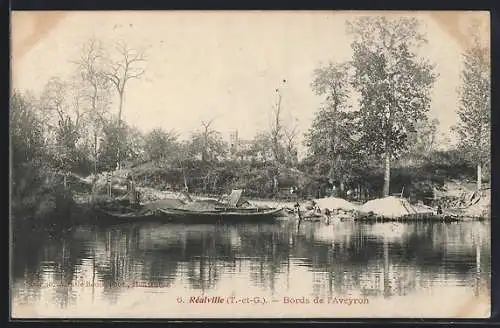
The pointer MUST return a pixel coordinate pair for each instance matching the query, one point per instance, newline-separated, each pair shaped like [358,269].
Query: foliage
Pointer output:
[449,164]
[135,146]
[34,190]
[475,108]
[159,144]
[423,139]
[26,130]
[108,150]
[208,144]
[261,147]
[27,147]
[394,83]
[333,140]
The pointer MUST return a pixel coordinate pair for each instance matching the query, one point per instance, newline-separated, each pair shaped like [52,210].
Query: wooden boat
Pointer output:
[221,214]
[115,216]
[201,211]
[232,209]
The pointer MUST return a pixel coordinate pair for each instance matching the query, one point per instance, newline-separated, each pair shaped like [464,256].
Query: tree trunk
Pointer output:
[387,173]
[275,184]
[120,108]
[95,153]
[479,176]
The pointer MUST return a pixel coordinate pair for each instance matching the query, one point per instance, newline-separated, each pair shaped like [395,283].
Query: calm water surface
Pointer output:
[155,270]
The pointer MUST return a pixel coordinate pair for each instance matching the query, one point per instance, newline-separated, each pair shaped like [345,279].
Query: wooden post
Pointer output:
[65,180]
[299,214]
[109,185]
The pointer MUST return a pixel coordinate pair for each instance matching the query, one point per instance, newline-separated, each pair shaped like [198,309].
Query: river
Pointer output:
[345,269]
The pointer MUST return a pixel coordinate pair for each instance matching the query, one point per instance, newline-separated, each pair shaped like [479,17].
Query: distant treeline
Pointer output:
[414,180]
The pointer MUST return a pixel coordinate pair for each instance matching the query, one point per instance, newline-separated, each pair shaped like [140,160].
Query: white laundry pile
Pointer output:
[334,203]
[393,207]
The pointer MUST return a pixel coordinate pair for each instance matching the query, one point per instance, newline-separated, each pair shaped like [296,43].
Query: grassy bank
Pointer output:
[50,200]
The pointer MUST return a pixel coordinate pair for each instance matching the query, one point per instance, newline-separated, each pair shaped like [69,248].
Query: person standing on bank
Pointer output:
[327,216]
[133,194]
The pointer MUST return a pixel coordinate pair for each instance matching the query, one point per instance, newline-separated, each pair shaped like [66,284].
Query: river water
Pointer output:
[345,269]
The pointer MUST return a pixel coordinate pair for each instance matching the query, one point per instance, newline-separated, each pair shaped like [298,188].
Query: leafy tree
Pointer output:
[393,81]
[209,146]
[117,136]
[27,147]
[264,151]
[475,107]
[333,146]
[26,130]
[108,146]
[60,105]
[332,137]
[422,141]
[160,145]
[183,156]
[208,143]
[135,150]
[262,146]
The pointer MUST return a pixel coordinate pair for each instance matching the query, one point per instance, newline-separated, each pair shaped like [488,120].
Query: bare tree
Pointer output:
[206,133]
[94,89]
[277,129]
[276,136]
[290,133]
[127,66]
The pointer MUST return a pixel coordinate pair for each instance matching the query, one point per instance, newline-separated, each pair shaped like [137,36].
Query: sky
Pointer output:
[225,66]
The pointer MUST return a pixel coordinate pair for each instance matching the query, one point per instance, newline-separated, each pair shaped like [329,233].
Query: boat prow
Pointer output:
[112,216]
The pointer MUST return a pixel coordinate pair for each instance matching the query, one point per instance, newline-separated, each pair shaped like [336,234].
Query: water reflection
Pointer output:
[376,260]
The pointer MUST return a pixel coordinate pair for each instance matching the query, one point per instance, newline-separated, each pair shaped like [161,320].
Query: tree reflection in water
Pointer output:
[383,259]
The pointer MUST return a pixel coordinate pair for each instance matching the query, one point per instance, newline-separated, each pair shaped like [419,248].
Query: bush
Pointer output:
[41,198]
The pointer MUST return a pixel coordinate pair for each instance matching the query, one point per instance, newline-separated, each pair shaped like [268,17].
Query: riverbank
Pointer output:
[63,207]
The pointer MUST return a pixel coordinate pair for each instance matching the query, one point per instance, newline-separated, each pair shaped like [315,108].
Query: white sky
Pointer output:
[222,65]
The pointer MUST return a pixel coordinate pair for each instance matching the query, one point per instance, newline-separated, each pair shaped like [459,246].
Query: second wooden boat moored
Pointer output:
[221,214]
[115,217]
